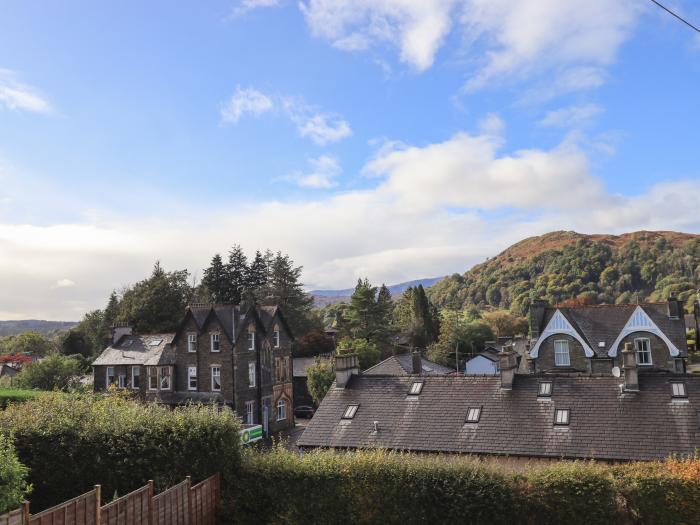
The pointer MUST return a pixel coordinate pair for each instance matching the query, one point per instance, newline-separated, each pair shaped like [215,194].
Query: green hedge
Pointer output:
[13,477]
[16,395]
[368,487]
[71,442]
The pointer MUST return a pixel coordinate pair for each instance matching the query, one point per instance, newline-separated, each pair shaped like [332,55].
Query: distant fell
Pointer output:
[33,325]
[566,265]
[324,297]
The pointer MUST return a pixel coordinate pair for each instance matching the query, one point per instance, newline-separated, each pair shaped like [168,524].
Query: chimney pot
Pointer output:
[417,362]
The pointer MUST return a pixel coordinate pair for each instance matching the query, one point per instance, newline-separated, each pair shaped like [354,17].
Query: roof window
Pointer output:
[473,414]
[155,342]
[678,390]
[416,388]
[350,411]
[562,416]
[545,389]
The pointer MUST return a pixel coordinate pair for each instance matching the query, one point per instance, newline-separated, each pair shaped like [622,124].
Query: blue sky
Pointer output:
[397,139]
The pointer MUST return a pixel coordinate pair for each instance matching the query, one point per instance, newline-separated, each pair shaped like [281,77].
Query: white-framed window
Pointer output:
[192,342]
[281,410]
[276,339]
[152,378]
[545,389]
[251,340]
[250,412]
[122,381]
[214,342]
[164,377]
[416,388]
[642,347]
[473,414]
[136,377]
[678,390]
[191,378]
[561,353]
[110,375]
[350,411]
[216,379]
[251,374]
[561,416]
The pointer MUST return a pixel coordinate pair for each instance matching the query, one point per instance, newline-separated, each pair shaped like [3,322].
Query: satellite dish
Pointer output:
[616,371]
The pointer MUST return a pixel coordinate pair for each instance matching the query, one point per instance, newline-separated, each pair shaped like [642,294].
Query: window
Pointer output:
[214,343]
[191,378]
[416,388]
[545,389]
[678,390]
[165,378]
[216,379]
[473,414]
[192,343]
[281,410]
[122,381]
[281,367]
[251,374]
[110,375]
[136,377]
[152,378]
[642,347]
[561,353]
[350,411]
[251,340]
[276,338]
[561,416]
[249,412]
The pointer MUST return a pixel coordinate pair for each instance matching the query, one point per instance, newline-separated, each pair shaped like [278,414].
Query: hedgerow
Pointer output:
[72,442]
[16,395]
[13,477]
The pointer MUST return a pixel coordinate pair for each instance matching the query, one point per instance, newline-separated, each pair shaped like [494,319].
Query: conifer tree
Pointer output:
[216,280]
[237,271]
[257,272]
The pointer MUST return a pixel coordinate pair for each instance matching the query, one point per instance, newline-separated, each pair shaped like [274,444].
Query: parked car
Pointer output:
[304,411]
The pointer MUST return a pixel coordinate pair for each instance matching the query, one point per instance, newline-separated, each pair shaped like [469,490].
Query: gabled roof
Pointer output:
[144,349]
[644,426]
[402,364]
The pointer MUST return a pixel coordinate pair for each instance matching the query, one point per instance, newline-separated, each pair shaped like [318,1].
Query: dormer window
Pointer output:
[561,416]
[678,390]
[416,388]
[473,414]
[561,353]
[545,389]
[276,339]
[251,340]
[214,343]
[192,343]
[642,347]
[350,411]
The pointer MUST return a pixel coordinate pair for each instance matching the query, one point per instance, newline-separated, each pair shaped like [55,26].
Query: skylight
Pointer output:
[350,411]
[473,414]
[416,388]
[155,342]
[545,389]
[561,416]
[678,390]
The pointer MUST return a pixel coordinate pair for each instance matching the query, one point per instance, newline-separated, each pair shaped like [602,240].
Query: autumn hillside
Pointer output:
[593,268]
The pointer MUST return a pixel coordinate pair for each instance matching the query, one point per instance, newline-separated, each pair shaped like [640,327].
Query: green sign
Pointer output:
[251,433]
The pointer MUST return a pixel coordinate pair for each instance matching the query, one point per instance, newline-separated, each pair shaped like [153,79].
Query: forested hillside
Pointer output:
[595,269]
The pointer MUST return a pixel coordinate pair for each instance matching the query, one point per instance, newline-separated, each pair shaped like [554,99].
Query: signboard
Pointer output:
[251,433]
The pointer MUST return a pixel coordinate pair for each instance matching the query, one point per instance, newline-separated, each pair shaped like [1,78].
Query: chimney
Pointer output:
[536,317]
[417,362]
[629,369]
[346,366]
[507,364]
[119,330]
[675,307]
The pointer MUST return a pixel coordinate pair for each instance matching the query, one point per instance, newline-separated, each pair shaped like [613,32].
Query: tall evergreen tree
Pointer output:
[285,289]
[216,279]
[257,275]
[237,271]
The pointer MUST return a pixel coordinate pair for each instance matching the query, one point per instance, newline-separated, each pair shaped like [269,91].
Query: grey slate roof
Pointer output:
[604,424]
[225,314]
[139,350]
[402,364]
[603,323]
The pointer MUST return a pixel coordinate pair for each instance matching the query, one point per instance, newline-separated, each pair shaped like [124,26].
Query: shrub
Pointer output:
[320,377]
[13,477]
[56,372]
[15,395]
[71,442]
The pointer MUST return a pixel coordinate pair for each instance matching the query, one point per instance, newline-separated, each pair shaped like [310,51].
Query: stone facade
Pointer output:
[661,358]
[579,362]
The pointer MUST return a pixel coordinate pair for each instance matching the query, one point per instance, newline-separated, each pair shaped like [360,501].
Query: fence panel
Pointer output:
[77,511]
[132,509]
[204,499]
[170,507]
[15,517]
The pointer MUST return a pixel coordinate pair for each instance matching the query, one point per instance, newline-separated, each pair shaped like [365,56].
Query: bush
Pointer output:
[72,442]
[14,395]
[319,378]
[56,372]
[13,477]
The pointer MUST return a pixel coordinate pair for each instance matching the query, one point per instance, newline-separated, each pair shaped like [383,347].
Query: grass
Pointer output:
[16,395]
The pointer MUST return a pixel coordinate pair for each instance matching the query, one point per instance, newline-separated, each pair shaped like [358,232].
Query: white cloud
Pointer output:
[322,128]
[247,101]
[64,283]
[325,169]
[572,116]
[245,6]
[15,95]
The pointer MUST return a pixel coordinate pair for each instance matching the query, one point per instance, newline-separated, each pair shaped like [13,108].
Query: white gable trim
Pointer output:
[559,324]
[640,321]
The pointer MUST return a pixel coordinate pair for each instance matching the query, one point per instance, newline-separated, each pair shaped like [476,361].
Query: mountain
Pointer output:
[564,265]
[324,297]
[33,325]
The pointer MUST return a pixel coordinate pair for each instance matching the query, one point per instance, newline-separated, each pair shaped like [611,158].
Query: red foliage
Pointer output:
[16,358]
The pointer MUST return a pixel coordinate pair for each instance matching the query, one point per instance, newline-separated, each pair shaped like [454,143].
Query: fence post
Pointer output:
[98,504]
[190,511]
[150,502]
[25,512]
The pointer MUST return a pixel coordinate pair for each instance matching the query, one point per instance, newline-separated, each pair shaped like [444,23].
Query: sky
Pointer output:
[395,140]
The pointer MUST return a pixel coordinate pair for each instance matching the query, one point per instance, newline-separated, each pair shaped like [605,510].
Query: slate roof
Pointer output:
[604,423]
[145,349]
[402,364]
[603,323]
[226,313]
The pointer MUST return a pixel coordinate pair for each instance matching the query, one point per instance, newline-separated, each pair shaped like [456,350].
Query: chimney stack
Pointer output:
[536,317]
[119,330]
[417,362]
[675,307]
[507,364]
[346,366]
[629,369]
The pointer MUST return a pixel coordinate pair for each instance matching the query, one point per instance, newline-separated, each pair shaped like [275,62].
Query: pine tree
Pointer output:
[257,275]
[285,289]
[237,270]
[216,280]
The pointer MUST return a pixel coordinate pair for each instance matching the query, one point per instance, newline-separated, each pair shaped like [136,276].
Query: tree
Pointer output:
[319,378]
[13,477]
[312,344]
[416,317]
[257,275]
[505,324]
[458,332]
[216,280]
[56,372]
[369,315]
[74,342]
[367,352]
[29,342]
[237,271]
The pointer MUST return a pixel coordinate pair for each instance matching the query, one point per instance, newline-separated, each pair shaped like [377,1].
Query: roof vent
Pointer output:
[375,425]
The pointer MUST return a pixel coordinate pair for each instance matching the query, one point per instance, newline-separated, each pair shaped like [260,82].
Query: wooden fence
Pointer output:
[182,504]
